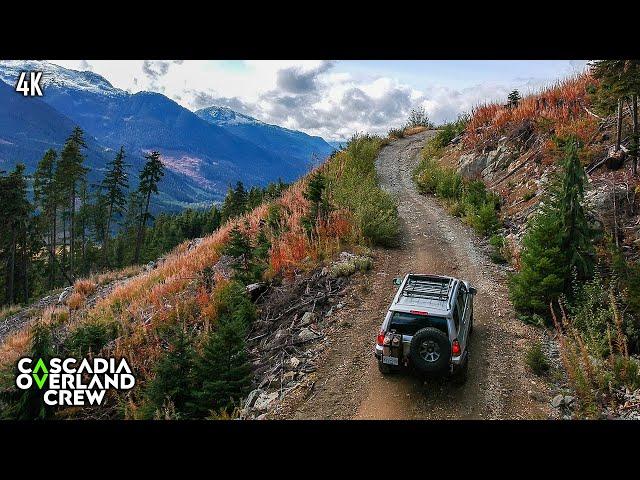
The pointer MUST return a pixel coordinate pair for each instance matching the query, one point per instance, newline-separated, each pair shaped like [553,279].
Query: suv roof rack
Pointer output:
[428,287]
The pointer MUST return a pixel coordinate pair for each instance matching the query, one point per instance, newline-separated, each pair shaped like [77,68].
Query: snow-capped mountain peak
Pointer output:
[53,74]
[225,116]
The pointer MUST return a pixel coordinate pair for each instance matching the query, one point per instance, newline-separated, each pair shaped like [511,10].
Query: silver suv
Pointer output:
[427,326]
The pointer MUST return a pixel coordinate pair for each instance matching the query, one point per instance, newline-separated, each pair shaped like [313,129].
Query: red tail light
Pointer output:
[380,339]
[418,312]
[455,348]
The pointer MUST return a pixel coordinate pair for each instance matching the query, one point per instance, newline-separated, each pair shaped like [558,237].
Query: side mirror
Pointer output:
[473,290]
[397,281]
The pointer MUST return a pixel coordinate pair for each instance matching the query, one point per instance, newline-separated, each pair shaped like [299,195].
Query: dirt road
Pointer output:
[348,384]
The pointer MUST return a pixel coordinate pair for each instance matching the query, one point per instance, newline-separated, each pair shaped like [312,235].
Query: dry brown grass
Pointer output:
[414,130]
[84,287]
[560,107]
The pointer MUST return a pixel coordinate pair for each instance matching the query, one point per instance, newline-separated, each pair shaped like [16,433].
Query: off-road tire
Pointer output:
[430,342]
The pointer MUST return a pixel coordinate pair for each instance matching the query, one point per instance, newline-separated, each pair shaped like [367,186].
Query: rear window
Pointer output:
[409,323]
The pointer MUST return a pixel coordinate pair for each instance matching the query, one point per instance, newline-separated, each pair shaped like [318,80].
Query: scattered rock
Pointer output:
[150,266]
[306,335]
[288,377]
[292,363]
[194,243]
[557,401]
[280,338]
[64,294]
[252,397]
[308,318]
[255,289]
[264,401]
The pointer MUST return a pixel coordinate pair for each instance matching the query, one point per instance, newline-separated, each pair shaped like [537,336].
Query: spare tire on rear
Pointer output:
[430,350]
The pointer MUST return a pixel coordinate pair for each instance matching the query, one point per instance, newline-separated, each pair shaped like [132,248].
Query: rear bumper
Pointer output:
[455,362]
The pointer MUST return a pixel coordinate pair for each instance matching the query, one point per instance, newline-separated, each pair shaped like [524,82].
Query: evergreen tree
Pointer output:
[69,173]
[557,243]
[150,176]
[239,247]
[419,118]
[47,198]
[15,219]
[223,372]
[514,99]
[173,381]
[319,207]
[235,202]
[576,232]
[115,186]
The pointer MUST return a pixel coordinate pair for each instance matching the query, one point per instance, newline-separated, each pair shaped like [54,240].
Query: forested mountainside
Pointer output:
[202,157]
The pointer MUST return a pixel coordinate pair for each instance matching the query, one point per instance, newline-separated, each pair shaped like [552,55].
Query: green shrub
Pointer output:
[449,184]
[497,247]
[484,218]
[172,387]
[536,359]
[90,337]
[396,133]
[355,187]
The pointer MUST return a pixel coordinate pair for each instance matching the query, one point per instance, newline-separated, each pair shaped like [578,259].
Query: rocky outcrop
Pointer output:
[486,165]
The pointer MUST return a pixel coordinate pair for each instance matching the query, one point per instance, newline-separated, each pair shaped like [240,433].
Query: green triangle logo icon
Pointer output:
[40,379]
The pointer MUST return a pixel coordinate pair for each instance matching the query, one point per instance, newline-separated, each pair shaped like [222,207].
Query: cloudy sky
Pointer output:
[332,99]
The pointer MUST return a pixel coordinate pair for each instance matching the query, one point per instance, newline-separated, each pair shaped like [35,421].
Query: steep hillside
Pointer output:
[542,180]
[515,152]
[282,255]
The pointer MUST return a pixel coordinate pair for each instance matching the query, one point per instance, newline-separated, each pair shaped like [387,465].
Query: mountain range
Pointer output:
[204,151]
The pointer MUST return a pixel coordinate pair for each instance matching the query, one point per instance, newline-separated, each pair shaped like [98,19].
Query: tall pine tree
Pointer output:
[114,186]
[69,174]
[150,176]
[47,197]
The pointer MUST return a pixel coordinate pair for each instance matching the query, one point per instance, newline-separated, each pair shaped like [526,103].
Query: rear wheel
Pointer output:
[471,325]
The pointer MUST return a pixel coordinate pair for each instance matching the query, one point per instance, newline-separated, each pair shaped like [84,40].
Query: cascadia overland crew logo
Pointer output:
[73,382]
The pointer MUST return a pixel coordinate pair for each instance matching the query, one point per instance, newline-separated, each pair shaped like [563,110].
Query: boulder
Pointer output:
[308,318]
[255,289]
[557,401]
[306,335]
[252,397]
[64,294]
[265,401]
[472,164]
